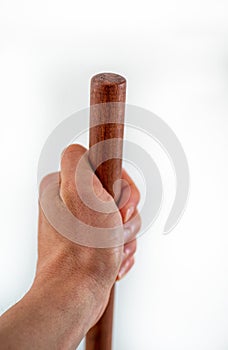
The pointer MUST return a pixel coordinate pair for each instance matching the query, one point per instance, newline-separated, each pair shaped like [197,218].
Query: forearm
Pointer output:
[54,314]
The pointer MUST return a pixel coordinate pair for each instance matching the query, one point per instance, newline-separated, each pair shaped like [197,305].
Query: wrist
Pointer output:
[80,299]
[55,313]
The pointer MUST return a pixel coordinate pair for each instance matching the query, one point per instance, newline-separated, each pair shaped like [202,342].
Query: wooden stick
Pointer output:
[106,87]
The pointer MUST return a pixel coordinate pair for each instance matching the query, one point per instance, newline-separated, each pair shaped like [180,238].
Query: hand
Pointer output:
[100,267]
[73,282]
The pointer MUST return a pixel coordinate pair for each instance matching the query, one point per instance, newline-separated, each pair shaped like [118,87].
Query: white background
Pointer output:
[175,57]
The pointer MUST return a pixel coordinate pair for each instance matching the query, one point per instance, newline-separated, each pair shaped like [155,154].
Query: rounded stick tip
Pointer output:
[107,87]
[108,79]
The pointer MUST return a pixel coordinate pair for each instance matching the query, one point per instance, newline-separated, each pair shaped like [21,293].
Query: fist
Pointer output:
[81,192]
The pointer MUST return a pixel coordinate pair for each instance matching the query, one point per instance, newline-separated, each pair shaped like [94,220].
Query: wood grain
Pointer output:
[106,122]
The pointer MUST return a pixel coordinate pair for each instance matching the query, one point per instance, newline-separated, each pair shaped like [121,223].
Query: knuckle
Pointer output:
[73,150]
[134,246]
[137,194]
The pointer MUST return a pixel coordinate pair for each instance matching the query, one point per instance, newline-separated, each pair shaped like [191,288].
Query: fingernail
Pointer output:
[126,252]
[129,213]
[127,234]
[123,270]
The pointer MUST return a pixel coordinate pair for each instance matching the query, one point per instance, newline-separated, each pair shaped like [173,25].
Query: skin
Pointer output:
[72,284]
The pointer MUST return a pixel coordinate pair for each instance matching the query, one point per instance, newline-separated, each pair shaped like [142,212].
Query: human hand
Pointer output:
[73,282]
[100,266]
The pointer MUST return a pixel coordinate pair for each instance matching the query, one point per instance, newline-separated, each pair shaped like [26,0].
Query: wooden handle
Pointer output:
[106,122]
